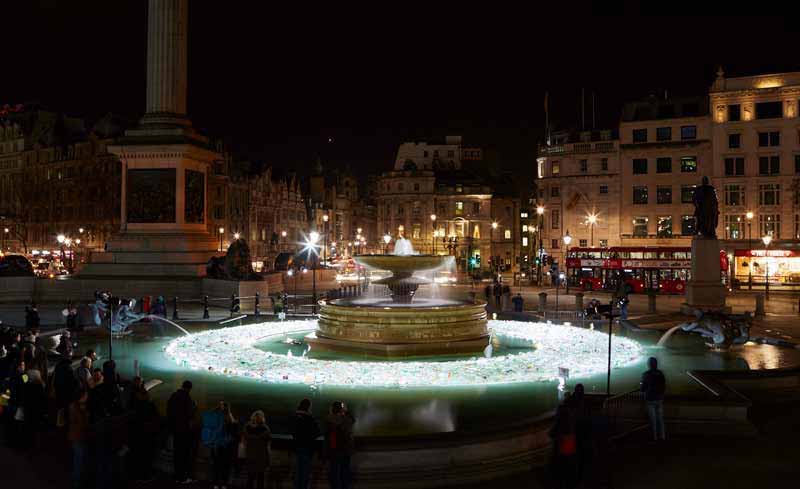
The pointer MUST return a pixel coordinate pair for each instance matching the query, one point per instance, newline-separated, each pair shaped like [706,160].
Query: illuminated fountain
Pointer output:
[401,327]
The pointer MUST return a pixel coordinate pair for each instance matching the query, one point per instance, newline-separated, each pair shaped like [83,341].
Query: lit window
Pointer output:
[524,241]
[604,243]
[459,208]
[523,214]
[734,226]
[640,194]
[416,231]
[689,164]
[556,168]
[524,228]
[770,225]
[687,225]
[640,226]
[507,234]
[664,227]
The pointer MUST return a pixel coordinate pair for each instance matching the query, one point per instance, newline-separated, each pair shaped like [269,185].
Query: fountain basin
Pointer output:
[355,326]
[398,264]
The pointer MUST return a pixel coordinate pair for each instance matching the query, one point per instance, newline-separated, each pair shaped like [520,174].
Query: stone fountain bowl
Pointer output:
[404,264]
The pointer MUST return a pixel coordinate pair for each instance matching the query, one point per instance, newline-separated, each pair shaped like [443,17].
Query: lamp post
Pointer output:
[749,217]
[540,227]
[5,234]
[567,240]
[434,232]
[767,240]
[283,241]
[325,218]
[495,268]
[221,231]
[313,239]
[591,219]
[386,239]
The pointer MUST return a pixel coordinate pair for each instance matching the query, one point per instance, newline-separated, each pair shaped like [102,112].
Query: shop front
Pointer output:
[754,268]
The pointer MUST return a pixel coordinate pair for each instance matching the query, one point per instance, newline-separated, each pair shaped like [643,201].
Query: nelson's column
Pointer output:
[165,166]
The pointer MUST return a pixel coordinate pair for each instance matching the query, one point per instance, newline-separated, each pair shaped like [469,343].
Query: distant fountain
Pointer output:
[403,247]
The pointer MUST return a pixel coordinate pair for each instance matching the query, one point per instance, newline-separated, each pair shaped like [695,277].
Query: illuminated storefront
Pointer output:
[781,266]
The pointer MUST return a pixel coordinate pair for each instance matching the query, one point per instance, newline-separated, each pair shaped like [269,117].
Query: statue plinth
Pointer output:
[705,291]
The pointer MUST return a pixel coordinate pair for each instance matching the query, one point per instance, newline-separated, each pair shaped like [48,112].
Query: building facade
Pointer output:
[57,177]
[580,193]
[434,199]
[665,150]
[756,141]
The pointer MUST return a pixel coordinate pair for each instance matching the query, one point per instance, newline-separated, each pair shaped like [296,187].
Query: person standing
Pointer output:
[339,440]
[498,293]
[518,302]
[564,447]
[64,347]
[145,425]
[257,437]
[654,385]
[305,432]
[78,435]
[215,434]
[180,413]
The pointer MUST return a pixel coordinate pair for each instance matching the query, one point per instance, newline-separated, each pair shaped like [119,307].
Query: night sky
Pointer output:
[278,84]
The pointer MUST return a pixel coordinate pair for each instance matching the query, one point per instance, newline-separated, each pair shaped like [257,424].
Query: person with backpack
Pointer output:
[180,414]
[339,441]
[305,432]
[215,435]
[654,385]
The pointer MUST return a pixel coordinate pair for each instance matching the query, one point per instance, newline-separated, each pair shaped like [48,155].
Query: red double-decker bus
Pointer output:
[666,269]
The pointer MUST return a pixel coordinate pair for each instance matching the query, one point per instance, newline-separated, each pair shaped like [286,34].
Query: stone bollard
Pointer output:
[542,302]
[651,303]
[760,305]
[579,301]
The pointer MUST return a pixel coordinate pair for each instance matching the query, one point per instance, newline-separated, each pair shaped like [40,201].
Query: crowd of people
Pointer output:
[115,430]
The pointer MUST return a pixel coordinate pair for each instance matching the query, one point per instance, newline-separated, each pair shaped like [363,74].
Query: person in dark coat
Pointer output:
[339,440]
[580,410]
[180,415]
[145,426]
[305,432]
[34,403]
[518,301]
[257,437]
[78,436]
[498,293]
[654,385]
[64,383]
[564,447]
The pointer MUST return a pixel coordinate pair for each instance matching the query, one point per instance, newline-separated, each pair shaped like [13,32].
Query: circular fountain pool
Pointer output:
[531,352]
[440,402]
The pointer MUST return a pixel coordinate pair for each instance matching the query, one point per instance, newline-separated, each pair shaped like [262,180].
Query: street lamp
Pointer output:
[236,236]
[221,231]
[491,247]
[5,237]
[749,217]
[767,240]
[591,219]
[311,246]
[434,233]
[283,241]
[567,240]
[558,285]
[540,227]
[325,218]
[386,239]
